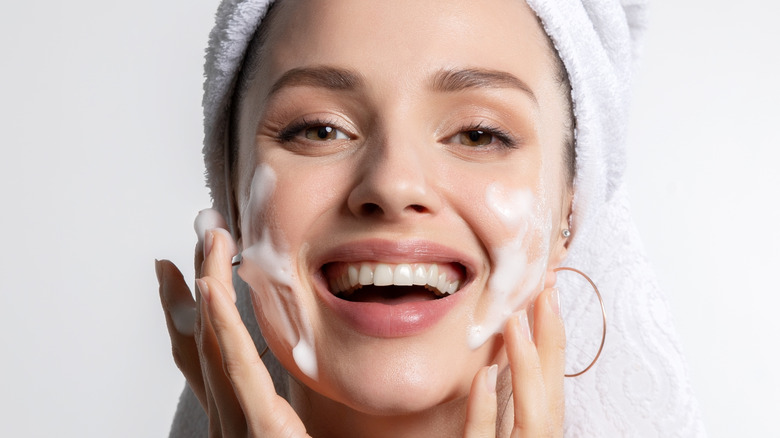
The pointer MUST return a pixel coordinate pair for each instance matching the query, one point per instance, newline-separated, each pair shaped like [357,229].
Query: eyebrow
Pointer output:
[450,81]
[324,77]
[446,81]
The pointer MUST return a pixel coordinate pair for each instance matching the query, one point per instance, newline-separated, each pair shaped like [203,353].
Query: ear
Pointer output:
[559,247]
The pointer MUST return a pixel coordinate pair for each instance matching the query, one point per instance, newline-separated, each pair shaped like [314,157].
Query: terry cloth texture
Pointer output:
[640,385]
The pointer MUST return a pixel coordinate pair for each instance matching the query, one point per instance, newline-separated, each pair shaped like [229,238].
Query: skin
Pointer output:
[401,171]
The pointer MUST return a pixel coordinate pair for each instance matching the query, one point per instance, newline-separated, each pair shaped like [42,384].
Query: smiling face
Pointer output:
[401,187]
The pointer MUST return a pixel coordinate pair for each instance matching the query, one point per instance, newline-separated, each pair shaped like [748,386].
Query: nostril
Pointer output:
[371,209]
[418,208]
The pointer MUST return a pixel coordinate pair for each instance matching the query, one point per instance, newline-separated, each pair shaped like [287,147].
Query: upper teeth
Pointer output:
[382,274]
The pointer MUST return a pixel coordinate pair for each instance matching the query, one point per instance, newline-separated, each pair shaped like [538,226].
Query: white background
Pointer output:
[101,173]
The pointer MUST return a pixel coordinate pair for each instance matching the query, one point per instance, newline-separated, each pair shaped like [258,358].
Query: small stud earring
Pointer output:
[566,233]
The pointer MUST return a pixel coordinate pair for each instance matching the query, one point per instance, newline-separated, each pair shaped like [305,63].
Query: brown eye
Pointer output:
[475,138]
[324,133]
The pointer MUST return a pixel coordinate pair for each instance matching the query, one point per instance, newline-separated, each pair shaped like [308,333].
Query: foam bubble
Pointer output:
[268,269]
[514,278]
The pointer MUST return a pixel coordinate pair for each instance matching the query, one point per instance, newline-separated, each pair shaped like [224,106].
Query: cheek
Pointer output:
[305,200]
[518,248]
[268,269]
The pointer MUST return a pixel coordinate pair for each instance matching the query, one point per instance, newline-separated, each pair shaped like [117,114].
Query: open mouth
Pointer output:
[393,283]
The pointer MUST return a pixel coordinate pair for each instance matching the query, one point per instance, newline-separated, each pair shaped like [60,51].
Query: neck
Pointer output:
[325,418]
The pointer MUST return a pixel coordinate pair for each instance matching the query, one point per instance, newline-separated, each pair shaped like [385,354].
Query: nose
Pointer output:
[393,183]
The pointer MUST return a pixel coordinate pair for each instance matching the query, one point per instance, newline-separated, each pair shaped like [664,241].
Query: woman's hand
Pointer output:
[215,352]
[536,364]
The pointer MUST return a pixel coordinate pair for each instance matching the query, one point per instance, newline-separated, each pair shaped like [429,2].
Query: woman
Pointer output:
[400,180]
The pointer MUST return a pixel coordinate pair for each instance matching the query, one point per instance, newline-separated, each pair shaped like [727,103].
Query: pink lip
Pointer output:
[396,320]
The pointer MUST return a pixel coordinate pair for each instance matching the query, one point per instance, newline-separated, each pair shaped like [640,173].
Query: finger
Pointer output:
[528,391]
[225,415]
[179,309]
[219,250]
[207,219]
[267,414]
[550,338]
[481,409]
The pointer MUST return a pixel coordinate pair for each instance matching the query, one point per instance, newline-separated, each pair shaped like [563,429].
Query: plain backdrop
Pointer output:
[101,173]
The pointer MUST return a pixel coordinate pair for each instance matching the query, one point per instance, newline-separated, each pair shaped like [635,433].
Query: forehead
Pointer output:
[400,42]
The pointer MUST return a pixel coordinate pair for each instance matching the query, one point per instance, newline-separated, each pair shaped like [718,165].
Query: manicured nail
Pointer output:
[525,328]
[555,301]
[491,378]
[203,287]
[158,271]
[208,243]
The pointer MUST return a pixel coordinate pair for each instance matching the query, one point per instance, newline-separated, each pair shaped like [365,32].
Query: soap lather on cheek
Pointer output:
[514,277]
[267,268]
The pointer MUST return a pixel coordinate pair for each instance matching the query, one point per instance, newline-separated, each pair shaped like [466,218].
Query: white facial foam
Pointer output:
[268,269]
[514,278]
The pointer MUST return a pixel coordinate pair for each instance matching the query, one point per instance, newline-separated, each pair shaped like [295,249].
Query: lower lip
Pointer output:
[390,320]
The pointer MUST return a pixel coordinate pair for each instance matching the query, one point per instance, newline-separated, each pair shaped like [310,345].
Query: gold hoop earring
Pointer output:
[603,318]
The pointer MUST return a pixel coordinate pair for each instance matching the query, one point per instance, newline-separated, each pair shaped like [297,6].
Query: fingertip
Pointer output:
[550,279]
[227,244]
[547,311]
[491,379]
[208,243]
[208,219]
[219,261]
[230,244]
[203,287]
[522,325]
[482,404]
[158,271]
[554,300]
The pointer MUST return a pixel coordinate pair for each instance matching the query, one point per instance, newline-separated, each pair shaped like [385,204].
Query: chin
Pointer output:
[388,391]
[401,376]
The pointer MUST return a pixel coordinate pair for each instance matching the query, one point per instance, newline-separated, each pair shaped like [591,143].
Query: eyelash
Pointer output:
[505,139]
[289,132]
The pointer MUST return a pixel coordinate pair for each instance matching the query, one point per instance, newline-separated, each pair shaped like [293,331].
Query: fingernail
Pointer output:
[555,301]
[491,378]
[525,328]
[207,244]
[227,239]
[203,287]
[158,271]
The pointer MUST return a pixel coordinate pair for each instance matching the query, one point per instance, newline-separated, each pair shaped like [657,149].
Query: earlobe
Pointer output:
[561,249]
[566,230]
[560,246]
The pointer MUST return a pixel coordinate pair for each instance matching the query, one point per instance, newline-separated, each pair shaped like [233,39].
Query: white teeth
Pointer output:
[433,276]
[353,275]
[366,275]
[442,284]
[404,274]
[383,275]
[420,277]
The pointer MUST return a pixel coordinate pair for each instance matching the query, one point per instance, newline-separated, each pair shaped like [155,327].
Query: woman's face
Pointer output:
[381,141]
